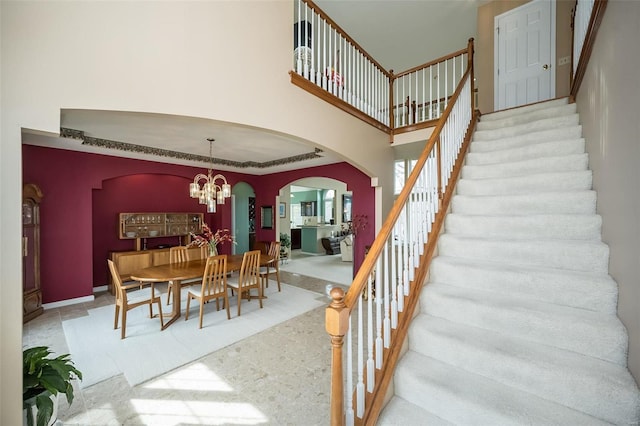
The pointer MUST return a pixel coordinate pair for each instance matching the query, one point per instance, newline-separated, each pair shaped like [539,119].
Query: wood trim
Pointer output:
[434,62]
[594,24]
[417,126]
[343,33]
[318,91]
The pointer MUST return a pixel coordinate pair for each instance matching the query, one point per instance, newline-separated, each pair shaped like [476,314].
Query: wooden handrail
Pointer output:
[314,89]
[434,62]
[594,24]
[343,33]
[339,311]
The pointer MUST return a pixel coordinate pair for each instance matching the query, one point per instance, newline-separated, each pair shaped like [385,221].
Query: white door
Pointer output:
[525,54]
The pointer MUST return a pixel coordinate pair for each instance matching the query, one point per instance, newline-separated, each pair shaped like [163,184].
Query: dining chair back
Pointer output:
[214,286]
[179,254]
[126,301]
[249,277]
[273,265]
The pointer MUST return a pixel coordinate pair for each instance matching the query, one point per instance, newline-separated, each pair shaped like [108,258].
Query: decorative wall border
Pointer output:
[129,147]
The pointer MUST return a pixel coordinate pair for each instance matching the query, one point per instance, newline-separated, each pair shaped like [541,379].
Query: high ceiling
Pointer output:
[399,34]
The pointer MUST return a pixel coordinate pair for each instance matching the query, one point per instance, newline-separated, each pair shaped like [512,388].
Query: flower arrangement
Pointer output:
[357,223]
[210,239]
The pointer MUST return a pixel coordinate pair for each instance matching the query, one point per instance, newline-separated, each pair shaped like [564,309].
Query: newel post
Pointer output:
[337,324]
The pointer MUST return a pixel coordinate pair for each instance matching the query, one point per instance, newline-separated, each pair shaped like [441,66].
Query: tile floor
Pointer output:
[277,377]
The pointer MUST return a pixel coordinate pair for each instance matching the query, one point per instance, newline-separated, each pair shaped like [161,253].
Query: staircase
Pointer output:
[517,323]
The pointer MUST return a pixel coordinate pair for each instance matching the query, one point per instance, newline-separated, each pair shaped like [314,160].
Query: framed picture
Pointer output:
[283,210]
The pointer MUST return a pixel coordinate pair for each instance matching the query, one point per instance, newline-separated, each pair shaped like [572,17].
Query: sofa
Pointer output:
[346,248]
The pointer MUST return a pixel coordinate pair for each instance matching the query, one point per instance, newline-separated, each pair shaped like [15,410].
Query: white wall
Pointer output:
[225,60]
[608,102]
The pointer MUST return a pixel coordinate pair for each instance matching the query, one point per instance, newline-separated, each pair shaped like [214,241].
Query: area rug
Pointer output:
[326,267]
[146,352]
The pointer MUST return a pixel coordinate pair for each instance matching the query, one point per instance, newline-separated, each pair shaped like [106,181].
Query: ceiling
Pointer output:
[399,34]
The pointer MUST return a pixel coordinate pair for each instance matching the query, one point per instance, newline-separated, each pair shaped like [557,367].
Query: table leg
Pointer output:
[176,311]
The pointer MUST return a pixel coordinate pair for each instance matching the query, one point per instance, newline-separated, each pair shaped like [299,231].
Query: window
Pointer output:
[401,171]
[329,202]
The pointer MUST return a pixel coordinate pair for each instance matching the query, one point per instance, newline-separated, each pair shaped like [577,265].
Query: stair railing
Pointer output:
[328,63]
[585,21]
[369,323]
[422,93]
[327,56]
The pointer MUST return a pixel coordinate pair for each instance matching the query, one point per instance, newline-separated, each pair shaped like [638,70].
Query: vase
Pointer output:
[213,250]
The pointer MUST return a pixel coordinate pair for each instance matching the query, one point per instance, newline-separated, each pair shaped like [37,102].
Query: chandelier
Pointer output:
[210,193]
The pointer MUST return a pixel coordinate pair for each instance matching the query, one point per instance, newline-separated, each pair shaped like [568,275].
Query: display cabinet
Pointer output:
[137,226]
[31,293]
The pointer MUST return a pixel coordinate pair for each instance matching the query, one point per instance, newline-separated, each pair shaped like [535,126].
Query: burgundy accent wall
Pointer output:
[83,194]
[363,200]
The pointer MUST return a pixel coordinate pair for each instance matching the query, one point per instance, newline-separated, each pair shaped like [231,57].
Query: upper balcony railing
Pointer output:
[326,56]
[329,63]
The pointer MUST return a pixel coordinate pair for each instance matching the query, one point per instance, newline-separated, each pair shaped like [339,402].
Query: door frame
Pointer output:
[552,48]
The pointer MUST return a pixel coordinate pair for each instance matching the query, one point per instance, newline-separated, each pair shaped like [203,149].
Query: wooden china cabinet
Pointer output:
[31,294]
[140,227]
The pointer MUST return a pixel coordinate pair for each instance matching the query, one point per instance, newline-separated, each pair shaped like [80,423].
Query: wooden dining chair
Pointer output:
[181,254]
[126,301]
[274,253]
[248,278]
[214,286]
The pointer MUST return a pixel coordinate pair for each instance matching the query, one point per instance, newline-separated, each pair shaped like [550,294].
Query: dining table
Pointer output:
[175,273]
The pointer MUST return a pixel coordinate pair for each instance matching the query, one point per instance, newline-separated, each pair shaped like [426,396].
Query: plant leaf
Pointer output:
[45,409]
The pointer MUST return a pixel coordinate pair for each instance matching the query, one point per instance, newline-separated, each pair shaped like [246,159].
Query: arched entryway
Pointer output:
[243,216]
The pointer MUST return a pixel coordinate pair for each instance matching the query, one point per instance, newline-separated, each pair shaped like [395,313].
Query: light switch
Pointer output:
[564,60]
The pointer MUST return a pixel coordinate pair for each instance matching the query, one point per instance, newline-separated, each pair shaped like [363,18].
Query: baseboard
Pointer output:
[68,302]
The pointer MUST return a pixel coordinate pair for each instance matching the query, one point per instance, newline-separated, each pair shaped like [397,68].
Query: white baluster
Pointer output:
[379,291]
[360,349]
[394,280]
[387,307]
[370,360]
[349,420]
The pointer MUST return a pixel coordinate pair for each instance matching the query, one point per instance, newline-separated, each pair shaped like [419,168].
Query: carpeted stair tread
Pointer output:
[542,182]
[513,120]
[469,399]
[554,227]
[573,255]
[540,151]
[400,412]
[517,323]
[557,375]
[532,138]
[584,290]
[574,202]
[533,126]
[523,110]
[565,163]
[586,332]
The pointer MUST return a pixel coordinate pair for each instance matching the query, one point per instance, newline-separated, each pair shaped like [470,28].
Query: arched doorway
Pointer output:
[243,217]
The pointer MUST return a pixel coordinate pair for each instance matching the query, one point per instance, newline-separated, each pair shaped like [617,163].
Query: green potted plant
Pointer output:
[43,377]
[285,245]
